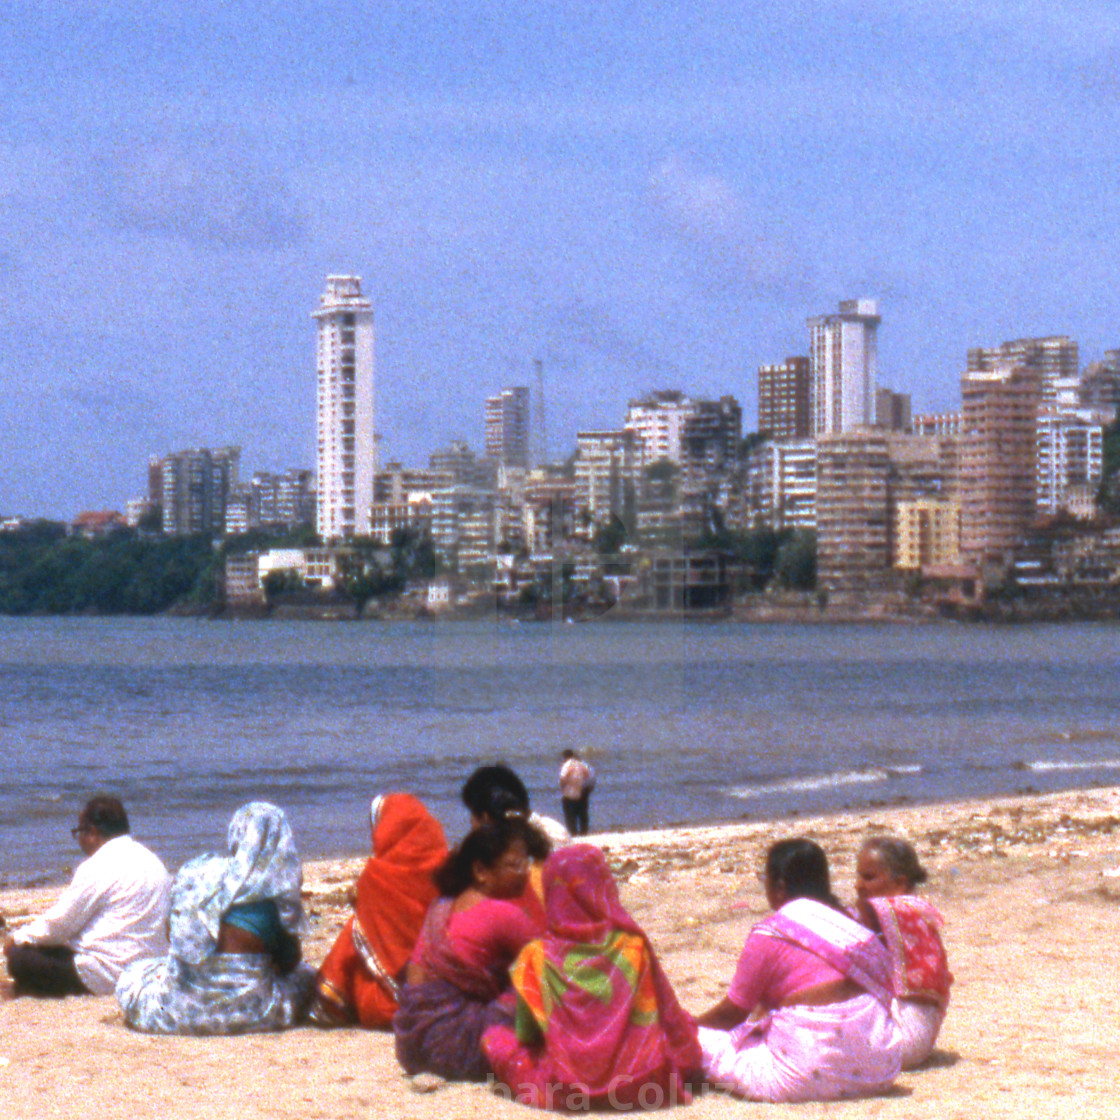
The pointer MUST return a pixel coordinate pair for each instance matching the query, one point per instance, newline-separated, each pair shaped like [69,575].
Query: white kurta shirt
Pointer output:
[574,776]
[113,912]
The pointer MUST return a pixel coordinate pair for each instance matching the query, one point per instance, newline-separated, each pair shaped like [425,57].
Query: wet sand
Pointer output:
[1030,889]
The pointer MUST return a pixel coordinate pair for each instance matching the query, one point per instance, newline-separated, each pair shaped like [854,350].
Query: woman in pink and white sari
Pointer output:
[820,984]
[887,873]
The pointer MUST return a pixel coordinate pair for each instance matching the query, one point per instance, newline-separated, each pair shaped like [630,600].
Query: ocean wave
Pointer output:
[1086,735]
[1046,765]
[811,783]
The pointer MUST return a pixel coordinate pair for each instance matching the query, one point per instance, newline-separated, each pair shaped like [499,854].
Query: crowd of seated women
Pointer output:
[506,961]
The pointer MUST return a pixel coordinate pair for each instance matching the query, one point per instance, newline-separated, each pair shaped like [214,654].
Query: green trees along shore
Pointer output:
[47,569]
[43,570]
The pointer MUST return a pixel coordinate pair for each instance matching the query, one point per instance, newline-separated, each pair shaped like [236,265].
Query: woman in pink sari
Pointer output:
[820,983]
[597,1023]
[887,871]
[460,965]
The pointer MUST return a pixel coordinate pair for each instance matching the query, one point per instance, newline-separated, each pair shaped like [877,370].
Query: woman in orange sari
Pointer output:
[357,983]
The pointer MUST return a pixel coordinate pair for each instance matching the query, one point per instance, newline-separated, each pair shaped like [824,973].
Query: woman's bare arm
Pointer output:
[722,1016]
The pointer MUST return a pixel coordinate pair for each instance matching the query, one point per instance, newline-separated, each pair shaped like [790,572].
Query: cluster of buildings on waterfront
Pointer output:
[952,496]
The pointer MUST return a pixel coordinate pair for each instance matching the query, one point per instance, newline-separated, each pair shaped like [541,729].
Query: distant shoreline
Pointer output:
[794,608]
[1032,605]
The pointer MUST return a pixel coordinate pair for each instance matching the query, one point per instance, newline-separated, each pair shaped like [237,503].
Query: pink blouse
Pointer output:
[490,934]
[772,969]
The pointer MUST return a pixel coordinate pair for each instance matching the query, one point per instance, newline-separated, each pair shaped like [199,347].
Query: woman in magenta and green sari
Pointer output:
[597,1023]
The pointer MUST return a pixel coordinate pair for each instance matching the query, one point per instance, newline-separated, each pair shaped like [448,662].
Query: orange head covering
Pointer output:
[396,886]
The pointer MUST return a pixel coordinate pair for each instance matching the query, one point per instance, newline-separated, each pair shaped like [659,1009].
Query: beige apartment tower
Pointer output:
[347,453]
[864,478]
[1055,358]
[927,533]
[998,465]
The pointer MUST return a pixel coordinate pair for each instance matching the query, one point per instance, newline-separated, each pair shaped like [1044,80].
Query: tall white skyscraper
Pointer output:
[347,450]
[843,354]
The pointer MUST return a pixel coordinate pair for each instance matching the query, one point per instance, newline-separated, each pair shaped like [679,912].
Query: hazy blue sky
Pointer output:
[642,195]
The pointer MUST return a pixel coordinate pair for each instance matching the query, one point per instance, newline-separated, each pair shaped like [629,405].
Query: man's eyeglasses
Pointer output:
[76,832]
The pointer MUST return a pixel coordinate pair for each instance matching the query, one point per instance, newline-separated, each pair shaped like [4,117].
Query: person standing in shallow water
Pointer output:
[577,780]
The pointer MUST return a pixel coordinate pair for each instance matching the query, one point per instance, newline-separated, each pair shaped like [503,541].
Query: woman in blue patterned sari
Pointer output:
[235,922]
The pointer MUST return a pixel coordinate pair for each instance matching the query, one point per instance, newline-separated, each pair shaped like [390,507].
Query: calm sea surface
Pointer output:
[187,719]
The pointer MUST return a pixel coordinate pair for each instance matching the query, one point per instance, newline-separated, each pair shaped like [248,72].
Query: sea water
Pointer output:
[186,719]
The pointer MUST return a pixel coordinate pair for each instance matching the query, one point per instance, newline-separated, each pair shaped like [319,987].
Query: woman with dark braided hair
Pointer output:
[821,984]
[495,793]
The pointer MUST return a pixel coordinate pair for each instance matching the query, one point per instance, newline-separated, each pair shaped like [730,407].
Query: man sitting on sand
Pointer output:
[113,912]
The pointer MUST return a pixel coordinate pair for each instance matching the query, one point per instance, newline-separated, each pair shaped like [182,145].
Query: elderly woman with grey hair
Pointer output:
[887,873]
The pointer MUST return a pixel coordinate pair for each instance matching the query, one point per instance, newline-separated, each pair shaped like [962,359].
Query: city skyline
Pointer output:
[637,204]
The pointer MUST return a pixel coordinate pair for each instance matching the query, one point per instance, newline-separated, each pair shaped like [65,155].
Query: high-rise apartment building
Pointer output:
[781,490]
[843,356]
[1070,460]
[999,480]
[284,499]
[608,478]
[701,437]
[1054,358]
[863,479]
[711,437]
[785,399]
[462,523]
[279,501]
[853,519]
[347,445]
[508,426]
[195,487]
[657,422]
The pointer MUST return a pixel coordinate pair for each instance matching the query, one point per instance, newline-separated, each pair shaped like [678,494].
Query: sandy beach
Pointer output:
[1029,886]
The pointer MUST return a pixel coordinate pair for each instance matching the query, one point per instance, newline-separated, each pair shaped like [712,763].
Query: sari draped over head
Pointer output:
[359,979]
[596,1015]
[196,989]
[919,965]
[263,866]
